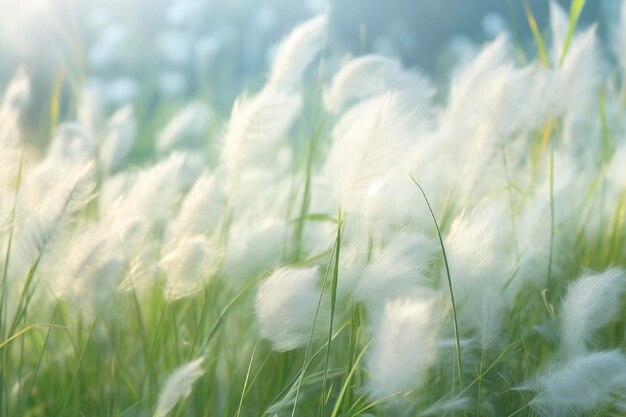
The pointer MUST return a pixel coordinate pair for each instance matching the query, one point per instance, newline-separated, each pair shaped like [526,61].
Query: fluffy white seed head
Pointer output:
[255,128]
[154,190]
[591,303]
[178,386]
[285,306]
[478,251]
[15,98]
[72,143]
[372,75]
[188,266]
[119,139]
[404,348]
[188,128]
[584,384]
[51,212]
[367,163]
[257,248]
[296,53]
[201,209]
[397,269]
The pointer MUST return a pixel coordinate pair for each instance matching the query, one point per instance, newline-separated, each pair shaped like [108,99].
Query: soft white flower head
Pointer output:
[119,139]
[367,163]
[178,386]
[395,270]
[285,306]
[189,127]
[404,348]
[372,75]
[187,266]
[296,52]
[591,303]
[582,385]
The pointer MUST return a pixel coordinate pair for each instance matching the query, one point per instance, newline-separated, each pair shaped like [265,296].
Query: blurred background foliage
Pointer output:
[159,54]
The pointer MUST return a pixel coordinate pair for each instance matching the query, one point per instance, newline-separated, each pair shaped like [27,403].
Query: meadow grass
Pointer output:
[365,243]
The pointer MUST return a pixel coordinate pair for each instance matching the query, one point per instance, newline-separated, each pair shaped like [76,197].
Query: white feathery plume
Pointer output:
[257,247]
[617,37]
[258,123]
[559,22]
[262,190]
[154,191]
[395,270]
[449,406]
[404,348]
[201,209]
[178,386]
[119,139]
[255,127]
[372,75]
[296,52]
[533,229]
[577,79]
[92,272]
[367,162]
[73,188]
[187,128]
[187,265]
[478,248]
[584,384]
[285,306]
[15,98]
[467,85]
[591,303]
[112,188]
[72,143]
[90,112]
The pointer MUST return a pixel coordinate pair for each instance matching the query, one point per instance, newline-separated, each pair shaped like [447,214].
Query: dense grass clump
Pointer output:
[363,244]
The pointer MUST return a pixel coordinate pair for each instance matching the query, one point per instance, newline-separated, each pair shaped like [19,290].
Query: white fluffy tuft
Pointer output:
[404,348]
[178,386]
[285,306]
[591,303]
[582,385]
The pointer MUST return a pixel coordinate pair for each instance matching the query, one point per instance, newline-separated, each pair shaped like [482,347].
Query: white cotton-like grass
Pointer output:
[201,210]
[398,269]
[178,386]
[15,97]
[477,246]
[72,143]
[559,21]
[95,267]
[404,348]
[296,52]
[255,127]
[373,75]
[72,190]
[366,157]
[153,190]
[581,385]
[591,302]
[119,140]
[188,265]
[579,75]
[152,240]
[188,128]
[618,37]
[257,250]
[285,306]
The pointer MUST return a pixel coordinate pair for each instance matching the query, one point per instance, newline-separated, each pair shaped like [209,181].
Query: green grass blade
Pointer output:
[574,14]
[541,47]
[457,337]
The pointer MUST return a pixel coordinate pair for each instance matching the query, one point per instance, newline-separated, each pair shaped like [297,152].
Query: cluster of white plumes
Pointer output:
[515,160]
